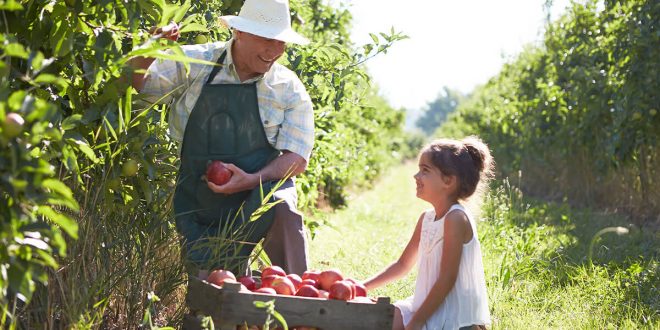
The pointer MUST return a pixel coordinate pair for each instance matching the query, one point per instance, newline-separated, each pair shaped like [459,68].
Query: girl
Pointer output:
[451,289]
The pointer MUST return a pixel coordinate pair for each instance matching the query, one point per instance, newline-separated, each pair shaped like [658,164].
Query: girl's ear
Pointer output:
[449,180]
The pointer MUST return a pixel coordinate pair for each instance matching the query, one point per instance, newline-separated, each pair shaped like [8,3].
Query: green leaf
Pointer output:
[71,122]
[15,100]
[59,187]
[47,78]
[193,27]
[78,141]
[156,52]
[16,50]
[67,224]
[181,12]
[47,259]
[374,38]
[20,280]
[10,5]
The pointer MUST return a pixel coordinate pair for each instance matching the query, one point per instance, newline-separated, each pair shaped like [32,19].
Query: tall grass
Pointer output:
[535,256]
[539,273]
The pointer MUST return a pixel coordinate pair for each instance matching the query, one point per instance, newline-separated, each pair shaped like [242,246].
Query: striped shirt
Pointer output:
[284,105]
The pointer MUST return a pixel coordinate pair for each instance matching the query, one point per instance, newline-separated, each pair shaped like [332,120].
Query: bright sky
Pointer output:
[454,43]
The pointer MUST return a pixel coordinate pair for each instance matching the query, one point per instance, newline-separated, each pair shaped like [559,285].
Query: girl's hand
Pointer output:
[239,181]
[414,325]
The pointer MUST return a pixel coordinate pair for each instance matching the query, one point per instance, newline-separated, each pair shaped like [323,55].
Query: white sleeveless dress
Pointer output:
[467,302]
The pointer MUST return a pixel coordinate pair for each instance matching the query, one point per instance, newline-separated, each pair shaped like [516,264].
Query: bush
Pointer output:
[86,130]
[578,117]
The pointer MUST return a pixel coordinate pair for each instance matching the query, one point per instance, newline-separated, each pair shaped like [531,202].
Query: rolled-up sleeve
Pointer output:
[164,80]
[297,131]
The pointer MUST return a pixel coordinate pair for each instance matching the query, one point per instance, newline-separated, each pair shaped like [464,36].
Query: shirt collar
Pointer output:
[229,63]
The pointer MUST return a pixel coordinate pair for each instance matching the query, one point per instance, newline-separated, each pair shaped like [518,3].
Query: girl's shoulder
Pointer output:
[428,215]
[459,210]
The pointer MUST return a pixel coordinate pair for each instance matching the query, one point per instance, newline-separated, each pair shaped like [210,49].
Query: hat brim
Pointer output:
[245,25]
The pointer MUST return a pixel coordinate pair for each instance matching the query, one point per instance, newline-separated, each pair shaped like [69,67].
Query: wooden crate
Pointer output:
[229,307]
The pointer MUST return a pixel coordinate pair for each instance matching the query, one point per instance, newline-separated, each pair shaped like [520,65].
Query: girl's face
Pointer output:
[432,185]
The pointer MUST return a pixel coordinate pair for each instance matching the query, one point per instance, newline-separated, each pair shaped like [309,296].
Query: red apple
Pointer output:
[283,286]
[219,276]
[272,270]
[13,125]
[218,173]
[248,281]
[308,291]
[324,294]
[310,282]
[243,288]
[352,285]
[265,290]
[360,289]
[329,277]
[295,279]
[311,274]
[267,282]
[340,290]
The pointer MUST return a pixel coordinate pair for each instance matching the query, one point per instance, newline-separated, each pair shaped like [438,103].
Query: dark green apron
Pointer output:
[224,125]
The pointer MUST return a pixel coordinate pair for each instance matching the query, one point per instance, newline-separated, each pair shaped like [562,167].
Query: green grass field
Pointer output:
[535,253]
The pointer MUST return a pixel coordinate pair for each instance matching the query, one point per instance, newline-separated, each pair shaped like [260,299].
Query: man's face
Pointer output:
[254,55]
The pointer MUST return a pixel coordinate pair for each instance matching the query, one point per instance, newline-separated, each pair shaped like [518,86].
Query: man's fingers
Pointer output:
[233,168]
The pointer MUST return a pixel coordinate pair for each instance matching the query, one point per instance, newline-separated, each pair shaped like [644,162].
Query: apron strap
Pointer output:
[217,68]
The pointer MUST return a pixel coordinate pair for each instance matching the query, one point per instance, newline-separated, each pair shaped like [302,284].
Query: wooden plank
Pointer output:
[228,306]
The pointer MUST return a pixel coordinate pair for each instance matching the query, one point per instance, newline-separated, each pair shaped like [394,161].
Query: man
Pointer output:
[254,115]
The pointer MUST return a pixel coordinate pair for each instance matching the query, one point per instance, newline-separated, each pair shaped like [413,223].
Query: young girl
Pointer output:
[451,289]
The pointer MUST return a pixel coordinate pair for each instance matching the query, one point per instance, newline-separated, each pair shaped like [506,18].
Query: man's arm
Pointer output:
[288,164]
[139,65]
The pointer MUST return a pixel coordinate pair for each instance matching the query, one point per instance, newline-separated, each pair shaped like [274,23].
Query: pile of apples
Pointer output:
[327,284]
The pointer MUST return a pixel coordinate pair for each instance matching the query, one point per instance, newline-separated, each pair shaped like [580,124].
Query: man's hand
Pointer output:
[138,64]
[170,31]
[239,181]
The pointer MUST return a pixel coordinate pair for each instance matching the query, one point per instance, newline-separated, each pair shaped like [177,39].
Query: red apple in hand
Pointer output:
[329,277]
[248,281]
[218,173]
[283,286]
[340,290]
[307,291]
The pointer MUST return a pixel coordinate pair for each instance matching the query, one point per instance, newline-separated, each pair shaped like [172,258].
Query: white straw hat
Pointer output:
[265,18]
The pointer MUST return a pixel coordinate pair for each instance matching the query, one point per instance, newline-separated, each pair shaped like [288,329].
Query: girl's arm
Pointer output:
[401,267]
[457,227]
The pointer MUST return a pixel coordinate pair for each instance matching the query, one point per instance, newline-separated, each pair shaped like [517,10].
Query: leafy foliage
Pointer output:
[93,161]
[436,111]
[579,116]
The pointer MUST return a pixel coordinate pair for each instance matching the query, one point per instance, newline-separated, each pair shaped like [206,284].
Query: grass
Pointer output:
[535,256]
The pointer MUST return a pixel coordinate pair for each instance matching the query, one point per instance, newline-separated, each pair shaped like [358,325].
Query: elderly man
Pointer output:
[252,114]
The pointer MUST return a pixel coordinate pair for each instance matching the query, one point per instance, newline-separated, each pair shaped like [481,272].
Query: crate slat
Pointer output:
[229,307]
